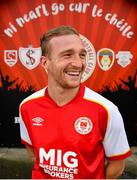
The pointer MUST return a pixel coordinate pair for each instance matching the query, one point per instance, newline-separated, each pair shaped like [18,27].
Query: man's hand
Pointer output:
[31,153]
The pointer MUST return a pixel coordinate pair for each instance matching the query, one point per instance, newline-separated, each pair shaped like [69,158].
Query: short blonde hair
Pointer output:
[59,31]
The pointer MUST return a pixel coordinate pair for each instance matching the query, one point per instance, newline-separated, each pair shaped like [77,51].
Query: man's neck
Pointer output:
[62,96]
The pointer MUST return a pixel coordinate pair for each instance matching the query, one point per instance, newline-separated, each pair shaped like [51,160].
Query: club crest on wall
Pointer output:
[10,57]
[30,57]
[90,58]
[105,58]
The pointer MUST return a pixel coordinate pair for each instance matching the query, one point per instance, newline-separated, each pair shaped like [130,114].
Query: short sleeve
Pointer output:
[115,142]
[24,132]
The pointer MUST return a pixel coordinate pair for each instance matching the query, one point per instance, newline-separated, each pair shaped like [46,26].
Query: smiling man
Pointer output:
[65,64]
[68,129]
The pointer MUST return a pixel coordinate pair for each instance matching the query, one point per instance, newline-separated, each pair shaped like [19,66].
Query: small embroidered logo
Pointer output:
[37,121]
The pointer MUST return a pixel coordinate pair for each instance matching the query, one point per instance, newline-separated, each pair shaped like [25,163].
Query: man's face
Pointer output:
[67,61]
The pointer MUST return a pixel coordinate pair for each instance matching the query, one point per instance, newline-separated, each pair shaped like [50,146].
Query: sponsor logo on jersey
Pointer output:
[83,125]
[37,121]
[59,164]
[124,58]
[105,58]
[10,57]
[90,58]
[30,57]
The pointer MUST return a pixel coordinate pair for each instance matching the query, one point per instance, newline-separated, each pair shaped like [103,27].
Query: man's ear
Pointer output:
[43,61]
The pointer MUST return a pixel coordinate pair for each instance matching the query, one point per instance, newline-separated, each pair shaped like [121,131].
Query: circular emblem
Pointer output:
[90,58]
[83,125]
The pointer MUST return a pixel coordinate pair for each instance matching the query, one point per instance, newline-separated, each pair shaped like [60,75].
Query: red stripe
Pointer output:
[120,157]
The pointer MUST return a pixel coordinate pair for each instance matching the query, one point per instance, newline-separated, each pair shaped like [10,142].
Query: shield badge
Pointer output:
[105,58]
[10,57]
[30,57]
[124,58]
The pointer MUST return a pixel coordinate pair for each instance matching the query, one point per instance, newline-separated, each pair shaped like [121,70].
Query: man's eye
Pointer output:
[67,55]
[83,56]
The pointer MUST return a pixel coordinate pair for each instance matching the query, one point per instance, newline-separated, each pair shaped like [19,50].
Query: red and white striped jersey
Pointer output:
[72,141]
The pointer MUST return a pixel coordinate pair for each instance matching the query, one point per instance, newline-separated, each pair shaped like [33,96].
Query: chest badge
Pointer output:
[83,125]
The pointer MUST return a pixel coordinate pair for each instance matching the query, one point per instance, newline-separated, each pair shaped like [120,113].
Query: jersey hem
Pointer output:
[25,143]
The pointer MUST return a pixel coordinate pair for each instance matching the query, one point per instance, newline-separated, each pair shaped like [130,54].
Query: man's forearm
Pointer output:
[114,169]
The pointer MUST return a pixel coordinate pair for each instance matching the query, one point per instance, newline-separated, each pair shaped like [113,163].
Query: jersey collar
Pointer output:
[79,95]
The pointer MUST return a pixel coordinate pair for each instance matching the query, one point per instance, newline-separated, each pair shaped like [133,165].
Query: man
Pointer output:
[69,130]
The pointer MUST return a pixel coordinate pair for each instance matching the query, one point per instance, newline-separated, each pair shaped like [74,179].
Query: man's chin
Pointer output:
[72,85]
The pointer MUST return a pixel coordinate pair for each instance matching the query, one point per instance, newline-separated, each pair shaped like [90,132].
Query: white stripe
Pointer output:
[37,94]
[23,132]
[115,141]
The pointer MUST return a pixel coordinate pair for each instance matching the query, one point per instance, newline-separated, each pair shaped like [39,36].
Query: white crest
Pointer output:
[83,125]
[90,58]
[10,57]
[124,58]
[30,57]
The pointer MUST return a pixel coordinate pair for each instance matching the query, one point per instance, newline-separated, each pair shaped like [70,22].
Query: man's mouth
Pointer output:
[73,73]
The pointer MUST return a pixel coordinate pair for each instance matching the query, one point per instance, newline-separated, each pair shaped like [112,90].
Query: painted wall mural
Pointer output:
[109,33]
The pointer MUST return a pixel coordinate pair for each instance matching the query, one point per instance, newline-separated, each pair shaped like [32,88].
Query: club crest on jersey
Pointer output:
[83,125]
[90,58]
[37,121]
[124,58]
[30,57]
[10,57]
[105,58]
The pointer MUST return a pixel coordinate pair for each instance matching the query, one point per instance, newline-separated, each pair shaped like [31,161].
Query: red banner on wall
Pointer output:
[108,30]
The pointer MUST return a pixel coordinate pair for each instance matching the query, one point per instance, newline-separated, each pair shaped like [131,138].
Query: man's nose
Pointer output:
[77,62]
